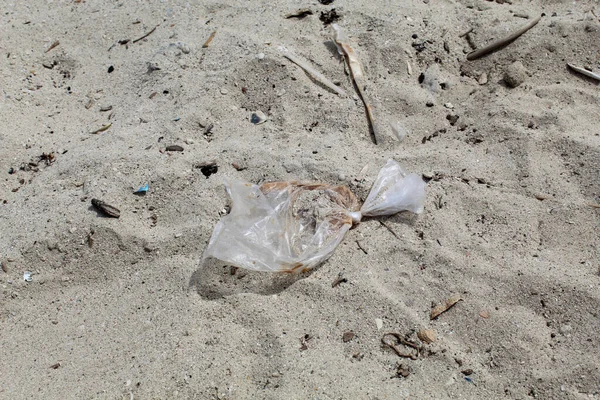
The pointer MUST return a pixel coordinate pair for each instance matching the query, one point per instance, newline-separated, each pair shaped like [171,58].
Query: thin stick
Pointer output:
[53,45]
[585,72]
[356,72]
[105,127]
[146,35]
[311,71]
[474,55]
[210,38]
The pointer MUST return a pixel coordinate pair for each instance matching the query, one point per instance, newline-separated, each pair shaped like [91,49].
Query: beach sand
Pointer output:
[124,308]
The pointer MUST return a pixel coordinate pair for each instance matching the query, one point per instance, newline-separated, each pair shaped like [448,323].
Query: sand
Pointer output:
[123,308]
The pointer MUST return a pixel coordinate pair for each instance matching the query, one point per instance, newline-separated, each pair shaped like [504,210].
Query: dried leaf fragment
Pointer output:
[106,209]
[441,308]
[427,335]
[55,366]
[484,314]
[5,267]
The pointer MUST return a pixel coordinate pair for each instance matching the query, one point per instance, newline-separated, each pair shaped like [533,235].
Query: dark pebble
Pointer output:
[111,69]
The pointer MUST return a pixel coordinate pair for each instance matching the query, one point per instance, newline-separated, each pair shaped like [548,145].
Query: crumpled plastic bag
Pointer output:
[294,226]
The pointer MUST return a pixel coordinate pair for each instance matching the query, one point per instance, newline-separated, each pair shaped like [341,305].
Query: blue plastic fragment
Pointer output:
[468,379]
[143,189]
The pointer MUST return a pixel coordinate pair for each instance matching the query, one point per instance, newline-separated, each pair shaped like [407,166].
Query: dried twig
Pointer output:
[311,71]
[53,45]
[105,127]
[341,41]
[474,55]
[445,306]
[340,279]
[146,35]
[584,71]
[399,339]
[210,38]
[106,208]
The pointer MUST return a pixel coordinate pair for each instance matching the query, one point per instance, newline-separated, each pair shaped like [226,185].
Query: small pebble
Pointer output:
[449,106]
[224,91]
[515,74]
[189,141]
[258,117]
[483,79]
[260,56]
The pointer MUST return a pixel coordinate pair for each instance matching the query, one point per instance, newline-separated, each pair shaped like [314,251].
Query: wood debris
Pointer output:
[311,71]
[356,72]
[106,209]
[441,308]
[388,340]
[146,35]
[584,71]
[210,38]
[105,127]
[340,279]
[474,55]
[5,267]
[53,45]
[300,13]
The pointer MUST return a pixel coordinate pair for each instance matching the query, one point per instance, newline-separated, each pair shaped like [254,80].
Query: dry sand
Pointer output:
[133,314]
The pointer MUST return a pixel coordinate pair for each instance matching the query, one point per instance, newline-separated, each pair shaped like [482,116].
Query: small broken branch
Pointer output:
[356,72]
[584,71]
[311,71]
[210,38]
[146,35]
[474,55]
[53,45]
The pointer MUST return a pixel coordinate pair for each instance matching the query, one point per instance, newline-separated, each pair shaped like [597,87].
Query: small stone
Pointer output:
[348,336]
[73,230]
[341,177]
[515,74]
[467,371]
[183,47]
[379,323]
[452,118]
[224,91]
[403,371]
[483,79]
[449,106]
[258,117]
[189,141]
[174,147]
[429,104]
[427,335]
[260,56]
[484,314]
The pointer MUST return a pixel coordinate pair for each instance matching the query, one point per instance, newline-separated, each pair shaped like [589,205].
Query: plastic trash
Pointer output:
[294,226]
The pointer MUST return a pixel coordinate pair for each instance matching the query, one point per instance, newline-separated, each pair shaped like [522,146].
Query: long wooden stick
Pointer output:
[356,72]
[474,55]
[585,72]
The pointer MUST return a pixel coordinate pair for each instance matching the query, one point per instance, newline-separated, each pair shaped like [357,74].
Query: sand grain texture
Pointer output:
[125,306]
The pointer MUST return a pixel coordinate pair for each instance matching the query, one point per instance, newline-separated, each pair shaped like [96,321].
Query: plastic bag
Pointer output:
[293,226]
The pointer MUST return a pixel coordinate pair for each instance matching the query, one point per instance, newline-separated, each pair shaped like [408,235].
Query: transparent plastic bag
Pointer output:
[293,226]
